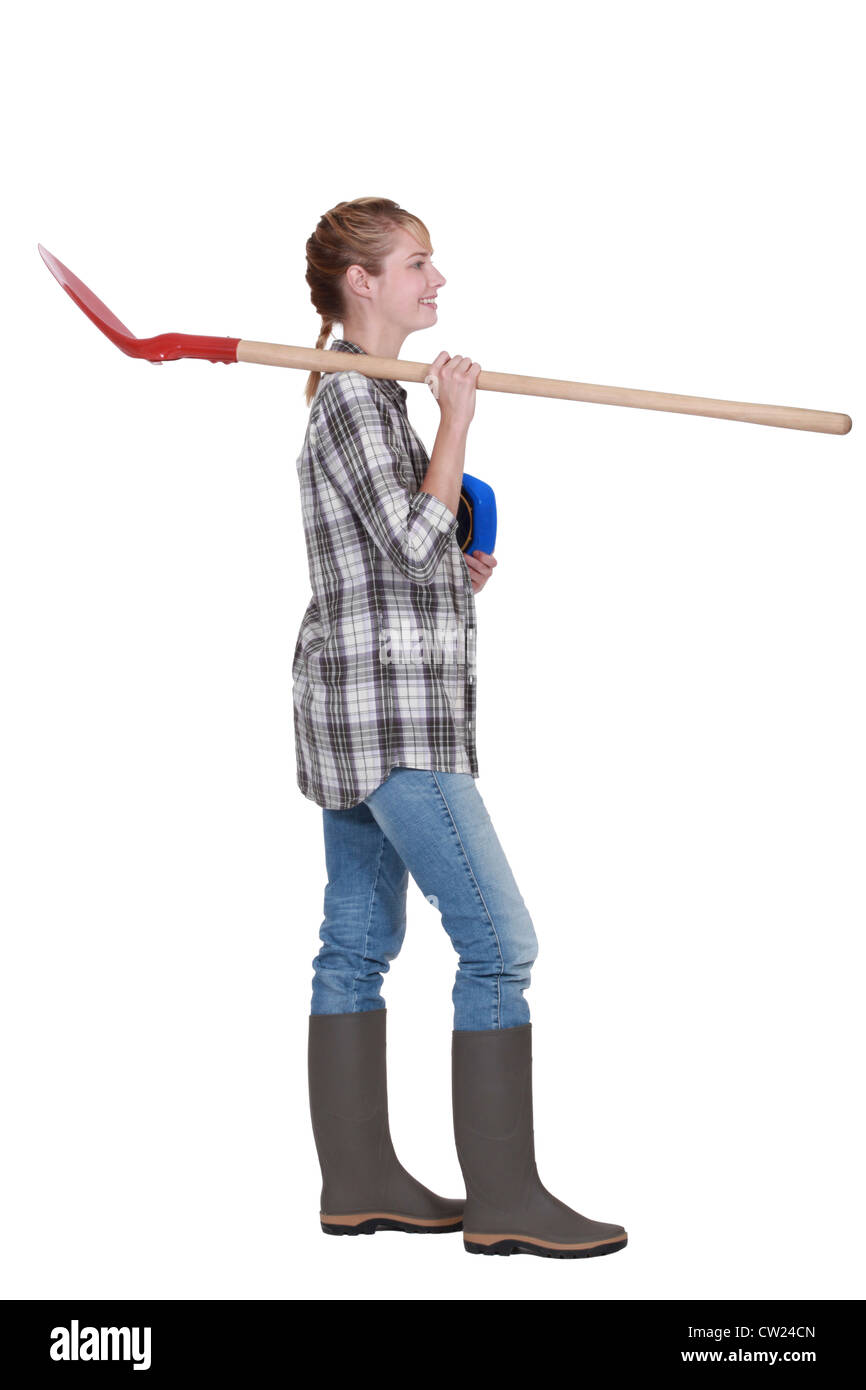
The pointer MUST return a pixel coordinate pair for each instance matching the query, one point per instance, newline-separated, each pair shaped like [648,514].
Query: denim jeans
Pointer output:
[434,826]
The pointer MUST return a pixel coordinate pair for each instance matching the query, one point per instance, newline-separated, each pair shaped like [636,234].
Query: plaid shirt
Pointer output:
[384,664]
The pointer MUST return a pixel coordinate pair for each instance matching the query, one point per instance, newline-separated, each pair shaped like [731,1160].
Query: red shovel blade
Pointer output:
[167,347]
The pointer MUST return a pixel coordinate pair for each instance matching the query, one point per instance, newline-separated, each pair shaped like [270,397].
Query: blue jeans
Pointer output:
[435,826]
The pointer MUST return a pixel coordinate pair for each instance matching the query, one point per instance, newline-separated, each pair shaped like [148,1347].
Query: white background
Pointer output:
[671,662]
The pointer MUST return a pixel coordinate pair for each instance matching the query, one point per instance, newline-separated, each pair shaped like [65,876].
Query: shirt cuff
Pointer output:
[435,511]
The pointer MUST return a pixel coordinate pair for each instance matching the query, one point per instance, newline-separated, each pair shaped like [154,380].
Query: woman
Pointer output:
[384,709]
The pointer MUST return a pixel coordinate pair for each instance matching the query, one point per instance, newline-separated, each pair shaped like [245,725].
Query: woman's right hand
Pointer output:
[455,381]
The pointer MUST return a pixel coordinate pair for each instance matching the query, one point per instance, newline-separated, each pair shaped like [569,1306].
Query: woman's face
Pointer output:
[409,276]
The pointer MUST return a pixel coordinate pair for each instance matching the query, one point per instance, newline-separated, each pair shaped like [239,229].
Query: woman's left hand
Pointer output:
[480,568]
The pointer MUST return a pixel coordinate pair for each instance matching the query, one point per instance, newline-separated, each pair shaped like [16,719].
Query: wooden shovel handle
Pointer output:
[396,369]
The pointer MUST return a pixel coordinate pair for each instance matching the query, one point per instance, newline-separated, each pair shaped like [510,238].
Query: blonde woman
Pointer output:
[384,709]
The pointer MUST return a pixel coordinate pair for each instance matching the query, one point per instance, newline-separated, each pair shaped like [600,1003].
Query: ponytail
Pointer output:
[314,379]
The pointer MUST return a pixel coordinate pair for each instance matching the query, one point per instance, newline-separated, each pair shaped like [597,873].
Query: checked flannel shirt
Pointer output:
[384,664]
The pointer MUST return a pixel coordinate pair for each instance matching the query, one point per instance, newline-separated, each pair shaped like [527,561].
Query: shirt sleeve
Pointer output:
[359,454]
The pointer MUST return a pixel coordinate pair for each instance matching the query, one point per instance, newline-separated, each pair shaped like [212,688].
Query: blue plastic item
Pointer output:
[476,516]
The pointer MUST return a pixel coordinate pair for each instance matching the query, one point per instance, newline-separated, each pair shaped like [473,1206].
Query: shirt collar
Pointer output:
[393,390]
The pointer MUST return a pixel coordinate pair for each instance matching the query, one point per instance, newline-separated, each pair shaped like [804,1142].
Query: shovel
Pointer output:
[169,347]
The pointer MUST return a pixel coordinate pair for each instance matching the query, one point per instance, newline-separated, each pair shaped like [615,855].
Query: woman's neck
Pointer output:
[378,340]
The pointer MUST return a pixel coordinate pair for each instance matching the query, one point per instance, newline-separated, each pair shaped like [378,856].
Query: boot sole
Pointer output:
[367,1223]
[477,1244]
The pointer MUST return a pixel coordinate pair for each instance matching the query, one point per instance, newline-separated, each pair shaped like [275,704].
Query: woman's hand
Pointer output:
[480,568]
[452,381]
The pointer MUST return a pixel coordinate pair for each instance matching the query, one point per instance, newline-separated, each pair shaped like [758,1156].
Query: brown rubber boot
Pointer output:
[508,1208]
[365,1187]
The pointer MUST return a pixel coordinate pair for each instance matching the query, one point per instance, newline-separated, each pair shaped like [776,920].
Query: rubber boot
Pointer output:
[364,1186]
[508,1208]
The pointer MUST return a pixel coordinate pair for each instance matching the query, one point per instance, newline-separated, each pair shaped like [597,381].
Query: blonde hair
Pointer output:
[353,233]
